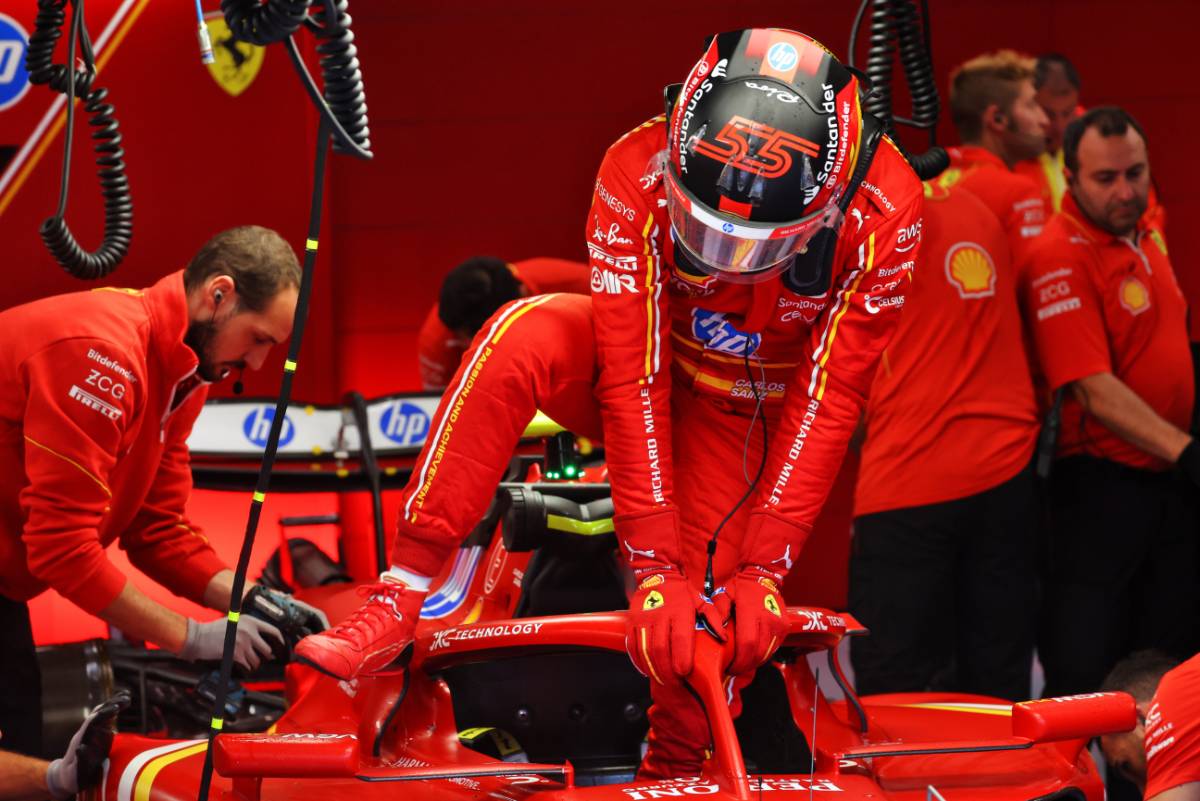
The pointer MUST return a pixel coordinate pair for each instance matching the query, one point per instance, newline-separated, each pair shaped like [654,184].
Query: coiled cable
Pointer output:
[343,102]
[110,157]
[896,29]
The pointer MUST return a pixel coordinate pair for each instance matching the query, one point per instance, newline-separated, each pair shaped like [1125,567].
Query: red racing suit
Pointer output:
[98,393]
[439,350]
[658,360]
[818,354]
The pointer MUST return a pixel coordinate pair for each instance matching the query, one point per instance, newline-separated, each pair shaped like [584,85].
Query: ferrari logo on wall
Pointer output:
[237,63]
[970,269]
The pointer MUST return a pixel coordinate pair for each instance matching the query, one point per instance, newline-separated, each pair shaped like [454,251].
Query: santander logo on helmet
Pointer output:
[760,138]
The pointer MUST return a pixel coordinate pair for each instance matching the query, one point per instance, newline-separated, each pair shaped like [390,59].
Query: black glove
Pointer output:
[83,764]
[1188,463]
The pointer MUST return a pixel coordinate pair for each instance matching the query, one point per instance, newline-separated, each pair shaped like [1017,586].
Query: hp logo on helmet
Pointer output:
[405,423]
[782,56]
[257,427]
[14,78]
[727,227]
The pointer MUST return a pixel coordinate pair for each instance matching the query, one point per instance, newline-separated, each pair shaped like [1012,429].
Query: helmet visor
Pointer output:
[740,250]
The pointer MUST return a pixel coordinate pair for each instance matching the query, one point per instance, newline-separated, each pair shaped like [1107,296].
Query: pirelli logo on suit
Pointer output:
[92,402]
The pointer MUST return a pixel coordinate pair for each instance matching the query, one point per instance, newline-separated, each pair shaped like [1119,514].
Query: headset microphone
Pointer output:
[237,383]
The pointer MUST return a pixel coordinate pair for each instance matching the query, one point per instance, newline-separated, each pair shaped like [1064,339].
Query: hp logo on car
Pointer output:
[257,427]
[404,423]
[14,78]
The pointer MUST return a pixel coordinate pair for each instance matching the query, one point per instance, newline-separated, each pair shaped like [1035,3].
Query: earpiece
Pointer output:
[217,296]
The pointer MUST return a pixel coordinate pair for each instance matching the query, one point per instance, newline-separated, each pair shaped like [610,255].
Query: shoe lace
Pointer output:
[373,616]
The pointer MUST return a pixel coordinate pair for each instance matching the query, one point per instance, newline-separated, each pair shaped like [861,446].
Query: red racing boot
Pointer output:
[371,638]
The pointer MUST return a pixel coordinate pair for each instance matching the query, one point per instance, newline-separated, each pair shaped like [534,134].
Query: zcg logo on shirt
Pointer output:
[257,427]
[405,423]
[717,333]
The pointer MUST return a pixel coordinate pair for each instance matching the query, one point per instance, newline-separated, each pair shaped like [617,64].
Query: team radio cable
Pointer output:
[343,114]
[110,157]
[897,29]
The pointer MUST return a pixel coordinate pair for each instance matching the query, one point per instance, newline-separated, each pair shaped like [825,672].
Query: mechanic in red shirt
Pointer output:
[1162,754]
[736,318]
[1056,82]
[472,292]
[1110,326]
[993,106]
[98,392]
[952,410]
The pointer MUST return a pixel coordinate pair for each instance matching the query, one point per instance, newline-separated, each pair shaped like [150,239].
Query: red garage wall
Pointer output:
[488,122]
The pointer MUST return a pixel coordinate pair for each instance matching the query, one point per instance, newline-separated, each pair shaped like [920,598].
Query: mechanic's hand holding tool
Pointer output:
[758,616]
[82,766]
[664,615]
[206,641]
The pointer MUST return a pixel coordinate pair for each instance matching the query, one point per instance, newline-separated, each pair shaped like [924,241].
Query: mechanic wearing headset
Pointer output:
[98,393]
[993,106]
[1110,325]
[472,292]
[952,410]
[1162,754]
[700,311]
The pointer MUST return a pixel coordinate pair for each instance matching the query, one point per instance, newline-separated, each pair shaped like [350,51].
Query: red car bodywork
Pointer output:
[358,739]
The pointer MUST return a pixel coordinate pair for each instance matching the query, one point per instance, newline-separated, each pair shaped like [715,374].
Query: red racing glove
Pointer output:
[660,630]
[665,611]
[759,622]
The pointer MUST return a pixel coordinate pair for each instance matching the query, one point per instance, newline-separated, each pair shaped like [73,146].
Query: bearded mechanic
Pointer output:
[734,278]
[98,393]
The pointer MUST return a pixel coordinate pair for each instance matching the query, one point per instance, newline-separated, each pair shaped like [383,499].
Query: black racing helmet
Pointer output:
[762,142]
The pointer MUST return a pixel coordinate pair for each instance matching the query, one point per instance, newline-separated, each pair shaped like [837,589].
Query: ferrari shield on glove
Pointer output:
[256,641]
[759,624]
[761,147]
[661,626]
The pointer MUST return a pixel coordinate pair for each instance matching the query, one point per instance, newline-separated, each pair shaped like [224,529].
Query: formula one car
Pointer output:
[518,686]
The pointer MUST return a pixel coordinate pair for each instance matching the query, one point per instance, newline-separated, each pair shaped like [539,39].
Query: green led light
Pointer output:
[552,474]
[570,471]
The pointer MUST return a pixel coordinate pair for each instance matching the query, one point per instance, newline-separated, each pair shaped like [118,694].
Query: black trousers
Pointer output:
[1121,570]
[949,592]
[21,698]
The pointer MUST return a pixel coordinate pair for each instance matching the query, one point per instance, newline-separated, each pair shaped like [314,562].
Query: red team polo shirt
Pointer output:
[1173,730]
[1047,172]
[1016,200]
[439,350]
[1099,303]
[953,387]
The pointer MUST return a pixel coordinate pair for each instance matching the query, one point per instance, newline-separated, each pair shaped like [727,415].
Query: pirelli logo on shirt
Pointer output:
[95,404]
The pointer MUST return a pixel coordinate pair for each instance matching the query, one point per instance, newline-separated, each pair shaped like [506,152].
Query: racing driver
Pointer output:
[734,326]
